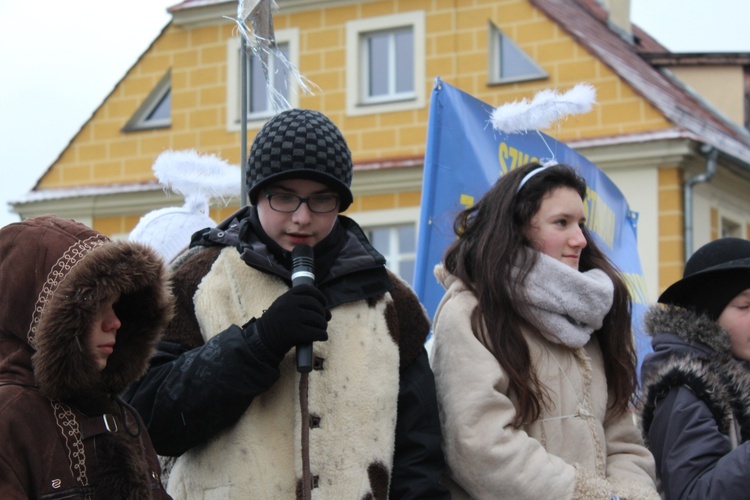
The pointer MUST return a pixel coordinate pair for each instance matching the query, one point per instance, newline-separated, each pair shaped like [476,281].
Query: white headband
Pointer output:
[531,174]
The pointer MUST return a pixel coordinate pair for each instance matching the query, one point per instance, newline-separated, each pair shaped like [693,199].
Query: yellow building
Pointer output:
[655,127]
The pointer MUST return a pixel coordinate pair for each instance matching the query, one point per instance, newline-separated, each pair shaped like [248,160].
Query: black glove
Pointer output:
[298,316]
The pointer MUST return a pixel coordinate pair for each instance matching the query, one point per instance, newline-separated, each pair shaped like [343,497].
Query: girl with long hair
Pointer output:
[533,352]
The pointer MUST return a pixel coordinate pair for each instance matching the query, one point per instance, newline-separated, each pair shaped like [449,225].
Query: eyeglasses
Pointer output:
[288,203]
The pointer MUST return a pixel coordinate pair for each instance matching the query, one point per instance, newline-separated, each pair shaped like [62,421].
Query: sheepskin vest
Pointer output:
[352,418]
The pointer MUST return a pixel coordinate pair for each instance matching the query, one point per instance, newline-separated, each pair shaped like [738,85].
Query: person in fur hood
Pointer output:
[533,355]
[224,394]
[695,413]
[79,318]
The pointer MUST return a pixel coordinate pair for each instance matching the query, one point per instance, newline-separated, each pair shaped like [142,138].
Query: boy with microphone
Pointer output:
[224,392]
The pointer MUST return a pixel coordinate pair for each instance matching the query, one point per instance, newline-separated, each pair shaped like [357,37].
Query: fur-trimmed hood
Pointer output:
[696,330]
[55,275]
[692,350]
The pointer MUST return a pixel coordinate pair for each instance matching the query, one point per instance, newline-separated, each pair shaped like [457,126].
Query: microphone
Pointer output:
[303,273]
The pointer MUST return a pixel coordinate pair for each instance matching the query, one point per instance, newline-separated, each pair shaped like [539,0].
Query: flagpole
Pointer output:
[243,121]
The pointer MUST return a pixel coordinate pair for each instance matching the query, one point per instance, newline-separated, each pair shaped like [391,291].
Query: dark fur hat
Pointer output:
[714,275]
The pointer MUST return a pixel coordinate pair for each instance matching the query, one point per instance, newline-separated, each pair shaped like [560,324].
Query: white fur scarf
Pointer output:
[566,304]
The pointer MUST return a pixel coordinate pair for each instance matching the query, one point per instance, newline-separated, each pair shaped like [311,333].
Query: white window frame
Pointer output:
[392,94]
[357,77]
[494,63]
[234,73]
[139,120]
[390,218]
[730,227]
[393,256]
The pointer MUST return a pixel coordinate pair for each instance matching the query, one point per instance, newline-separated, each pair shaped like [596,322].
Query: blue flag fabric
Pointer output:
[465,156]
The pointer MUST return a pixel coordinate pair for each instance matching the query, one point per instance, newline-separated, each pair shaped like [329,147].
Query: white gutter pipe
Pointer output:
[687,191]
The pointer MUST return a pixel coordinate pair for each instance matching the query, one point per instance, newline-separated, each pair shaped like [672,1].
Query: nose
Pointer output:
[302,215]
[578,240]
[111,322]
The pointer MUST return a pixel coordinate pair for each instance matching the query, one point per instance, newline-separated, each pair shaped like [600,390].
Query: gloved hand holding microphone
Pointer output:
[298,317]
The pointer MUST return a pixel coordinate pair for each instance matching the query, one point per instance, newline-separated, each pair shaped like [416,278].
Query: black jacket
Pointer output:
[196,389]
[696,402]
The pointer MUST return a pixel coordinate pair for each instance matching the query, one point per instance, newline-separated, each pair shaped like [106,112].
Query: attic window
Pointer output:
[163,109]
[156,109]
[508,62]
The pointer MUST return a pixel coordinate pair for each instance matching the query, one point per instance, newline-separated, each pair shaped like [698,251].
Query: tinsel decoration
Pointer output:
[255,24]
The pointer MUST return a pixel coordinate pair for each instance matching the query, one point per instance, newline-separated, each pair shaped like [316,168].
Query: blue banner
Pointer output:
[465,156]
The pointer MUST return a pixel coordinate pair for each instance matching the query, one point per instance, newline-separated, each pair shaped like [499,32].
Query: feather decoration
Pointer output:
[197,177]
[255,24]
[546,108]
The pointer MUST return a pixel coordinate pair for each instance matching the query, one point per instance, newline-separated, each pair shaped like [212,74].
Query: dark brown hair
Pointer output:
[491,238]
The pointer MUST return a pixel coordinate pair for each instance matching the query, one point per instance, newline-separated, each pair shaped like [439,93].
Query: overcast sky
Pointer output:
[60,58]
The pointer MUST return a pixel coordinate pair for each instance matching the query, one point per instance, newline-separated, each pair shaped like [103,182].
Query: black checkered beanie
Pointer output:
[300,144]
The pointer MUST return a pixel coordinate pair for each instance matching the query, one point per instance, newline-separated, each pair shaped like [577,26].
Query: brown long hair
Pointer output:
[491,239]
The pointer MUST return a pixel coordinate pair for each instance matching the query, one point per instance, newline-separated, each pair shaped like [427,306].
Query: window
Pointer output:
[260,100]
[156,109]
[398,245]
[388,61]
[393,233]
[508,62]
[730,228]
[388,53]
[163,109]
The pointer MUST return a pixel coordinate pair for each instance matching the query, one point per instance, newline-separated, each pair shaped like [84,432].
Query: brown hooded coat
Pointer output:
[65,431]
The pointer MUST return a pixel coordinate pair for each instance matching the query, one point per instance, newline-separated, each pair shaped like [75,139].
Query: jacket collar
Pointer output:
[348,267]
[688,326]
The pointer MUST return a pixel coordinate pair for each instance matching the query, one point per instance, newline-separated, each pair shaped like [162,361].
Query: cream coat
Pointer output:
[570,452]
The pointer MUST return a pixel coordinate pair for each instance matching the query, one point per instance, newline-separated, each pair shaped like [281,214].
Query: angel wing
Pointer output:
[547,107]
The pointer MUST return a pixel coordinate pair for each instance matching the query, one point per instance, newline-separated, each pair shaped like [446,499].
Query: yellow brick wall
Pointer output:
[671,235]
[619,109]
[102,154]
[714,217]
[115,224]
[456,50]
[386,201]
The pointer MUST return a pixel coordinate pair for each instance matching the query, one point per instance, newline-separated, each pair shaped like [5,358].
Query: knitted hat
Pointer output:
[300,144]
[714,275]
[168,230]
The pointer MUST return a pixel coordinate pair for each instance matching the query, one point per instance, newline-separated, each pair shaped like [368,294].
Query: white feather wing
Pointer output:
[192,174]
[546,108]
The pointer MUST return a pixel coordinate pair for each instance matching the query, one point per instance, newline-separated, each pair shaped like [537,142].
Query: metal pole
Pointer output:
[243,122]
